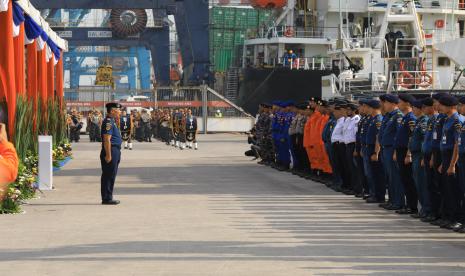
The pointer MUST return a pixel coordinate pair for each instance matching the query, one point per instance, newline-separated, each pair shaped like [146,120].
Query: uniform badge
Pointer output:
[108,126]
[399,120]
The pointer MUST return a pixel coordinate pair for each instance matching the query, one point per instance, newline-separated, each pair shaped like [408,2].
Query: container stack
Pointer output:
[229,27]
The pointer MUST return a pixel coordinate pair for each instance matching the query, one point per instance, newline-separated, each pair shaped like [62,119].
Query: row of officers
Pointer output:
[401,152]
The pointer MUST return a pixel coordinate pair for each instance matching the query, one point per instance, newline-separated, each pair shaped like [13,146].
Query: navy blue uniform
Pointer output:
[419,175]
[452,193]
[374,173]
[461,162]
[404,132]
[326,136]
[389,131]
[110,170]
[362,186]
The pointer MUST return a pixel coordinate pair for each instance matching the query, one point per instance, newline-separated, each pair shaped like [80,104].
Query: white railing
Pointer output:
[437,36]
[306,63]
[415,80]
[361,82]
[294,32]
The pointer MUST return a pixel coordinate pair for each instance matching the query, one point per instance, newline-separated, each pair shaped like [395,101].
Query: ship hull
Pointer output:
[278,84]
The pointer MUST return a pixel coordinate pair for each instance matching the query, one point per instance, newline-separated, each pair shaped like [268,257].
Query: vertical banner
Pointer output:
[51,79]
[60,80]
[42,73]
[31,66]
[7,68]
[19,61]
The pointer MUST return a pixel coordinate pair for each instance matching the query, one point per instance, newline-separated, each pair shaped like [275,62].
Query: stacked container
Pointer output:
[228,30]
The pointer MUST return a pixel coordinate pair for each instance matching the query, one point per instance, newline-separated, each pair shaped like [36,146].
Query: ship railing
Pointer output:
[304,63]
[361,42]
[440,4]
[433,36]
[294,32]
[414,80]
[361,82]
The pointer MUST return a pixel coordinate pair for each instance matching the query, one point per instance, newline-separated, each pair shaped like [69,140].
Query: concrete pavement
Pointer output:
[213,212]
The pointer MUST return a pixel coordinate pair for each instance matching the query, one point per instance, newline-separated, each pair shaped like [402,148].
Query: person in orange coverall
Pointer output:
[310,138]
[8,162]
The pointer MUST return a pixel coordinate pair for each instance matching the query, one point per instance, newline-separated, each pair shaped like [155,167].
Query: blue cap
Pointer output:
[407,98]
[391,98]
[428,102]
[374,103]
[448,100]
[417,103]
[439,95]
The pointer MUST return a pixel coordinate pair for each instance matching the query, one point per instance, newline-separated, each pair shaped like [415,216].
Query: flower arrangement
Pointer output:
[42,118]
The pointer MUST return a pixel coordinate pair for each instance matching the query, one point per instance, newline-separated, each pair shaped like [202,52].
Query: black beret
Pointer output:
[113,105]
[374,104]
[363,101]
[462,100]
[417,103]
[407,98]
[448,100]
[315,99]
[428,102]
[340,106]
[323,103]
[382,98]
[352,106]
[438,96]
[391,98]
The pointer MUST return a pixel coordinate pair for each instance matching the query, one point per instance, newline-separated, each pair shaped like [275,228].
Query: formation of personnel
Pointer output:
[401,152]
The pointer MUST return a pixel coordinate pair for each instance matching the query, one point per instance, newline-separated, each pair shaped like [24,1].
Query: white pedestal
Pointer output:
[45,163]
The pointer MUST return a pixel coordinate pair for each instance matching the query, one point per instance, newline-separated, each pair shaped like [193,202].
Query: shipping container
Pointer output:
[264,16]
[252,18]
[217,38]
[241,19]
[223,59]
[228,39]
[239,37]
[229,18]
[217,17]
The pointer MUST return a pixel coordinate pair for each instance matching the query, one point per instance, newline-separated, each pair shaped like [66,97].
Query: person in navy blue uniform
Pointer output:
[359,148]
[326,136]
[427,152]
[449,153]
[111,152]
[461,162]
[437,192]
[385,167]
[415,150]
[402,156]
[374,170]
[388,142]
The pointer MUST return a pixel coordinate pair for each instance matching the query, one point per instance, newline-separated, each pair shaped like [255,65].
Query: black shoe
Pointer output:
[429,218]
[437,222]
[393,208]
[457,226]
[359,195]
[373,200]
[348,192]
[417,216]
[448,225]
[111,202]
[445,224]
[461,230]
[385,205]
[366,196]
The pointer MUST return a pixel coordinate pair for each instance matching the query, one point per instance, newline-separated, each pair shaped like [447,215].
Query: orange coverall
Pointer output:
[8,166]
[311,139]
[324,158]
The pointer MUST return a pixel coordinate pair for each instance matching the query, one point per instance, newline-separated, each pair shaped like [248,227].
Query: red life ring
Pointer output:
[289,32]
[439,24]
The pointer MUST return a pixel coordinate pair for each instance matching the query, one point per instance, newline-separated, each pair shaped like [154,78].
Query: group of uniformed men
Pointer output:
[408,147]
[174,127]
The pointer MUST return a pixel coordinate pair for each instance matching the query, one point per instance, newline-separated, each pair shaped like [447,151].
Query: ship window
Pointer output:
[443,61]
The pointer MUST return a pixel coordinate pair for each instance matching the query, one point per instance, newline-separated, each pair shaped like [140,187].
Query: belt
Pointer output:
[387,146]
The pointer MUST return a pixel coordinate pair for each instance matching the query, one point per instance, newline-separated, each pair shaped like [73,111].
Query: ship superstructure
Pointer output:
[367,45]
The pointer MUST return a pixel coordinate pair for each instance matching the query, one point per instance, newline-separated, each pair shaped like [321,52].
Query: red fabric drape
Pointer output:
[31,60]
[42,74]
[51,79]
[7,65]
[59,79]
[19,61]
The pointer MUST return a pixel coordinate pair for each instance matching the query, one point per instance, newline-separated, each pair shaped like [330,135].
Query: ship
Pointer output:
[348,48]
